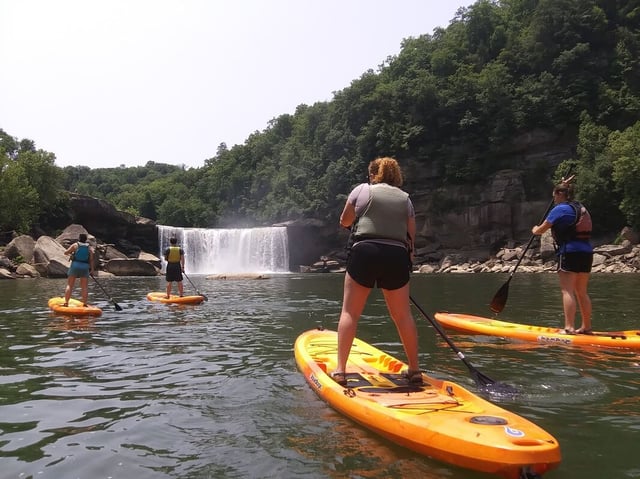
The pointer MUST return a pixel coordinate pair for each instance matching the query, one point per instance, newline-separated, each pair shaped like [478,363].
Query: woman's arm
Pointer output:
[411,233]
[348,215]
[541,228]
[91,261]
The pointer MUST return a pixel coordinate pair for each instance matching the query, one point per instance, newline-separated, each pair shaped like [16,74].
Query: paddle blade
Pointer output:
[117,306]
[500,389]
[500,299]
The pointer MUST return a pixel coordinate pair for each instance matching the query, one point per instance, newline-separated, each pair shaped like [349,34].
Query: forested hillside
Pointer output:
[449,101]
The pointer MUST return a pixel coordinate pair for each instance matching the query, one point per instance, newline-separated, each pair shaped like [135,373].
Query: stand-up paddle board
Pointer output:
[161,297]
[439,419]
[469,324]
[75,307]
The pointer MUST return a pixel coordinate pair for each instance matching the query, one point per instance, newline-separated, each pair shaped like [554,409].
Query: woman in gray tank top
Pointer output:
[382,222]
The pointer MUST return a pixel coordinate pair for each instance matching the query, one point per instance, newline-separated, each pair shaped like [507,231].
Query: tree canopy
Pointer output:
[451,102]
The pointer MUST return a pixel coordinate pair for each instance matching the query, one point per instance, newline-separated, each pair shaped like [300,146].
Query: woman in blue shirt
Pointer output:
[570,224]
[81,267]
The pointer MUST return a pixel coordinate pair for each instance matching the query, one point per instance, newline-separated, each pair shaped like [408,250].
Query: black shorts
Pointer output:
[386,266]
[174,272]
[575,262]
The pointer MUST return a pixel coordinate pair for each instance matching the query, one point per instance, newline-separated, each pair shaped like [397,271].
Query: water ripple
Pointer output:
[157,391]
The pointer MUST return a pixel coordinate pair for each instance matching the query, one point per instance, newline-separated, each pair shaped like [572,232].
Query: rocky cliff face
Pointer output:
[486,216]
[129,234]
[497,212]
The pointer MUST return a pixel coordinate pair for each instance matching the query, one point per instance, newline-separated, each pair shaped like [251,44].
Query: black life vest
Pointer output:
[578,230]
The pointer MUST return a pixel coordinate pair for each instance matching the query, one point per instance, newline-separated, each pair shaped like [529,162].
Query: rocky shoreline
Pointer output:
[540,257]
[25,257]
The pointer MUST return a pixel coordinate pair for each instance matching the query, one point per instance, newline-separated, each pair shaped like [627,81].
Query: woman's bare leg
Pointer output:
[400,310]
[353,302]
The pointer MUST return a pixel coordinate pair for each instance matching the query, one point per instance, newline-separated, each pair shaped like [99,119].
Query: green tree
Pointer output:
[18,200]
[29,184]
[624,148]
[594,177]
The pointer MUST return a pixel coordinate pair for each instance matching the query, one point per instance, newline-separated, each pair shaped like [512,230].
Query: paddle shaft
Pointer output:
[194,287]
[500,298]
[526,248]
[115,305]
[477,375]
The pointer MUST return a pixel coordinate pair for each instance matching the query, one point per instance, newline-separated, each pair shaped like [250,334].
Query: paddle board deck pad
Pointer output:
[75,307]
[161,297]
[439,419]
[469,324]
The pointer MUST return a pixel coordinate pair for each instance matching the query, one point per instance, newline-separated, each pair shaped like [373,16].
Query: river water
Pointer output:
[212,391]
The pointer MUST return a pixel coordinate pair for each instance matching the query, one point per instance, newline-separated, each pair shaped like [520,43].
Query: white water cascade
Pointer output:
[238,250]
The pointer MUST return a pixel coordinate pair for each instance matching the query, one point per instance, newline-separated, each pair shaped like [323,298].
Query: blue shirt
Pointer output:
[563,214]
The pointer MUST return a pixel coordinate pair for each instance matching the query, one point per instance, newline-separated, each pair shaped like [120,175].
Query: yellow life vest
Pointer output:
[174,254]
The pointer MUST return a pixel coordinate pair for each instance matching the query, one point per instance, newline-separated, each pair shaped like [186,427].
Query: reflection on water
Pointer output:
[212,390]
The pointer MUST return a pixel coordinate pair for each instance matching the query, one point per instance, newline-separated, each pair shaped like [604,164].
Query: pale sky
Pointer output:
[104,83]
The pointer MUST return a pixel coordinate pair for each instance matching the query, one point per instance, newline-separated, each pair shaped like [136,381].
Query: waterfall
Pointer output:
[238,250]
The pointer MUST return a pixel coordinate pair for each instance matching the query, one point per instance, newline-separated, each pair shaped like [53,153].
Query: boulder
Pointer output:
[130,267]
[6,263]
[547,246]
[598,259]
[628,233]
[49,258]
[71,234]
[27,270]
[5,273]
[21,247]
[109,252]
[613,249]
[153,259]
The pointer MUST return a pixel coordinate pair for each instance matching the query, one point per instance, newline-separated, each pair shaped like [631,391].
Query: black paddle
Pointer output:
[194,287]
[482,380]
[500,299]
[115,305]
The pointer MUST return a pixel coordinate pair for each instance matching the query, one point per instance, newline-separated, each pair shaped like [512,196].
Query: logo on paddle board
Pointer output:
[513,432]
[315,381]
[551,339]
